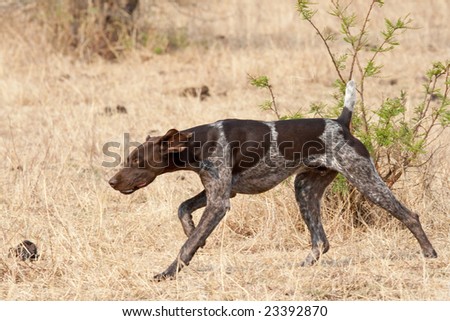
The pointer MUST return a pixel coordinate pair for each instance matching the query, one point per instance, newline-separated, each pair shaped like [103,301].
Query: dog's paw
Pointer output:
[163,277]
[306,263]
[310,260]
[430,254]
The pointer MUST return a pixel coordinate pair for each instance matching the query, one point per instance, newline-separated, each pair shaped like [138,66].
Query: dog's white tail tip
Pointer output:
[350,95]
[349,102]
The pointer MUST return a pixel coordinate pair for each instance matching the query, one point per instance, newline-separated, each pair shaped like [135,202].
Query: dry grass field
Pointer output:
[97,244]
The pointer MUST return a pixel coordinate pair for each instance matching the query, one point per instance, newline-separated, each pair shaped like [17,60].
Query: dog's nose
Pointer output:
[113,182]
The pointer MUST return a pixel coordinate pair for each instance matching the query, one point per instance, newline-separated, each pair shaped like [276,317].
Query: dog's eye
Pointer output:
[136,161]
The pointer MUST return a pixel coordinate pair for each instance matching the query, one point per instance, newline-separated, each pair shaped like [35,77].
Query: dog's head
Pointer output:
[148,160]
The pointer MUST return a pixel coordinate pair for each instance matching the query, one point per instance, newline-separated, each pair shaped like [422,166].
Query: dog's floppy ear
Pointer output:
[174,141]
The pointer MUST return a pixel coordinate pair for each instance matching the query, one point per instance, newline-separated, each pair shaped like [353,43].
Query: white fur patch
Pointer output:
[273,152]
[350,95]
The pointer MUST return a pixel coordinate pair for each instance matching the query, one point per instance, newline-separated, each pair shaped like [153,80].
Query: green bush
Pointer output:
[396,142]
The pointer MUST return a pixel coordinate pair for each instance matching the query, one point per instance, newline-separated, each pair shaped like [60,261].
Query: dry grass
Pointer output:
[97,244]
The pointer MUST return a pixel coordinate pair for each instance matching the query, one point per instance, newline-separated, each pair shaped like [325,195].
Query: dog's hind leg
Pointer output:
[361,173]
[309,188]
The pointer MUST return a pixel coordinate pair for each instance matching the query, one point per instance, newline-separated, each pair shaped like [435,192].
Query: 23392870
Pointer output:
[299,310]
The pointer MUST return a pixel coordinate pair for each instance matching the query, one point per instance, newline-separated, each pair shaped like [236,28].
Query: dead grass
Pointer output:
[97,244]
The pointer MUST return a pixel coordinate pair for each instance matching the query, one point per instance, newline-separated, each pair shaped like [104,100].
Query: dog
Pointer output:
[249,157]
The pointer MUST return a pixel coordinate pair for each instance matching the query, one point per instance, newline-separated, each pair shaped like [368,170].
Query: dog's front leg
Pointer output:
[211,217]
[218,189]
[187,208]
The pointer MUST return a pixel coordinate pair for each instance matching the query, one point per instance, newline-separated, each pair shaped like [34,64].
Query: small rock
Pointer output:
[202,92]
[393,82]
[121,109]
[26,250]
[109,111]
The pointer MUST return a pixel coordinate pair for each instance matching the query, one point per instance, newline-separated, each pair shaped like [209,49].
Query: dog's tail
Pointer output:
[349,102]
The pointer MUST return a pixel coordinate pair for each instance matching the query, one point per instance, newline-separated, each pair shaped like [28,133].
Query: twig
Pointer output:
[328,48]
[362,31]
[263,82]
[274,106]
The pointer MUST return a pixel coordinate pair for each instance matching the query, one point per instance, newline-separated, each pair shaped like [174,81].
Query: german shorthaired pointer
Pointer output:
[250,157]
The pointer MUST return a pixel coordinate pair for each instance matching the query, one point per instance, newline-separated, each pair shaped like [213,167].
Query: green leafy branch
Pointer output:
[263,82]
[271,104]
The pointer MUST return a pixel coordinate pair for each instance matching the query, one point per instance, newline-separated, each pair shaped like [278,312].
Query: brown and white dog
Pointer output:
[250,157]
